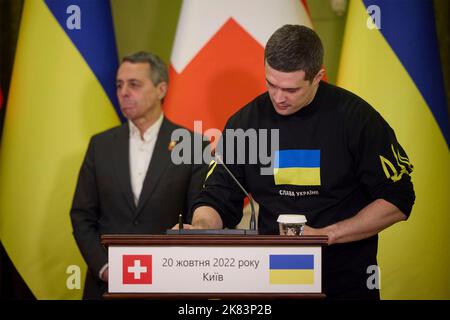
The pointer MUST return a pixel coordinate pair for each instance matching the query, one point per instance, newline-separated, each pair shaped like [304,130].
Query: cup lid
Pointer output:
[291,218]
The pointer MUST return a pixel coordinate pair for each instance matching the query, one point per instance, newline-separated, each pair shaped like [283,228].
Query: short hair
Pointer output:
[293,48]
[158,69]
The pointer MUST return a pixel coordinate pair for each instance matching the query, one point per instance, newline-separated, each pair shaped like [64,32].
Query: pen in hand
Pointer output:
[180,221]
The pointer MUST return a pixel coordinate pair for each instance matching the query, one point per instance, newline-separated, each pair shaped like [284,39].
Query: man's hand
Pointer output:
[185,226]
[310,231]
[204,217]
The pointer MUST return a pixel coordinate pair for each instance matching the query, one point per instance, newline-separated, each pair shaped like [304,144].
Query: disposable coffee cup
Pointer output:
[291,224]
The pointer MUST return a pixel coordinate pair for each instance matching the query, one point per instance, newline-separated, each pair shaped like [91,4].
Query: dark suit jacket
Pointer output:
[103,201]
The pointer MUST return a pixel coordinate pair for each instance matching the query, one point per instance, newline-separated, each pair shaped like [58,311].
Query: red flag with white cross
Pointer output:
[137,269]
[217,62]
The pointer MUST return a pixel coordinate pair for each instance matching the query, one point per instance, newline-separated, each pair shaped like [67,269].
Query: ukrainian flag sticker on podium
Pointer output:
[291,268]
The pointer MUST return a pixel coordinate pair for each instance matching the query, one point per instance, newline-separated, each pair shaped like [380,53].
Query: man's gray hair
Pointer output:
[158,69]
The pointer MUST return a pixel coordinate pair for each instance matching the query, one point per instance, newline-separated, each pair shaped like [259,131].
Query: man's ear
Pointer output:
[162,90]
[319,76]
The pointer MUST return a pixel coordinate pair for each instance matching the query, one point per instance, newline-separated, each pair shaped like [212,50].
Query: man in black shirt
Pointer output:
[338,162]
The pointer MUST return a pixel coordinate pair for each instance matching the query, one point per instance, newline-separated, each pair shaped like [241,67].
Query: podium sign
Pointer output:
[214,264]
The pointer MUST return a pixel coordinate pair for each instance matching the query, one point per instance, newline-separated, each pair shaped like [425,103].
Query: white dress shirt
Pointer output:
[141,151]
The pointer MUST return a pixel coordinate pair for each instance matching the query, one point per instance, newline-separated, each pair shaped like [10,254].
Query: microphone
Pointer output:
[253,214]
[251,231]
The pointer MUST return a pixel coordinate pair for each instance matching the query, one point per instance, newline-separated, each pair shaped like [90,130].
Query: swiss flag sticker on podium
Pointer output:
[137,269]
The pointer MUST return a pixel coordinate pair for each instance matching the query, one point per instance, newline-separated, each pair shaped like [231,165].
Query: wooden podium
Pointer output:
[214,266]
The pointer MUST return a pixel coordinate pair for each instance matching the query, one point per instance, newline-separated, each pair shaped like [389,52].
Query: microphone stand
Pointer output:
[251,231]
[253,214]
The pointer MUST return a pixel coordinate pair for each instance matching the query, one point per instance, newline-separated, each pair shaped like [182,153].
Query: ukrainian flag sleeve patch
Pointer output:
[297,167]
[291,269]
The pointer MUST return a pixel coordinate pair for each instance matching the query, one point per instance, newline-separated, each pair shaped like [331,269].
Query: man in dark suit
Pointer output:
[128,183]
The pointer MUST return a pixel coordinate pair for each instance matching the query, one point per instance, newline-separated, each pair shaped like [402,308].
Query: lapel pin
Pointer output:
[172,145]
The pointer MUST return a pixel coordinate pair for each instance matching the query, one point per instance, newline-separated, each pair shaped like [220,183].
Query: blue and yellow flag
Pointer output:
[390,58]
[297,167]
[61,93]
[291,269]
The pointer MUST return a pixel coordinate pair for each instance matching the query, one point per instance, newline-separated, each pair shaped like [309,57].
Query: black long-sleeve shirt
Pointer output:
[355,159]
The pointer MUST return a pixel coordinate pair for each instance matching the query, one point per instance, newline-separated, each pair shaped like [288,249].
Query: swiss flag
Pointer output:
[217,62]
[137,269]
